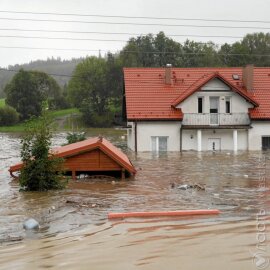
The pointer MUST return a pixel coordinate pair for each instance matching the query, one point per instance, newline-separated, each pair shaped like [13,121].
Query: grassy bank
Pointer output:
[2,102]
[64,119]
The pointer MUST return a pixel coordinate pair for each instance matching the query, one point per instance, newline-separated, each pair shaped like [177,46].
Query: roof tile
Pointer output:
[149,93]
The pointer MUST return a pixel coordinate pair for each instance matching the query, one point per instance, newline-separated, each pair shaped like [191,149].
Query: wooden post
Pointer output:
[74,175]
[123,174]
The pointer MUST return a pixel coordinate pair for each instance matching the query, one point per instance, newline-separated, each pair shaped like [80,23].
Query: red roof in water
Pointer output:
[149,98]
[88,145]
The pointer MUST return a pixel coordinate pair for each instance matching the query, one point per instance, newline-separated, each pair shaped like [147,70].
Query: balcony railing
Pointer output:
[216,119]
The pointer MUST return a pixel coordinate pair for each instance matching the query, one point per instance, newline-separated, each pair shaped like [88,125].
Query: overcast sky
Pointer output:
[250,10]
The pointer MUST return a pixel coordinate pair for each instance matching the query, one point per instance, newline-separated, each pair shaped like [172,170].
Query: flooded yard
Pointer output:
[76,234]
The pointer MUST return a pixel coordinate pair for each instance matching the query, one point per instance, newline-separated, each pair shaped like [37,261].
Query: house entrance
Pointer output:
[214,144]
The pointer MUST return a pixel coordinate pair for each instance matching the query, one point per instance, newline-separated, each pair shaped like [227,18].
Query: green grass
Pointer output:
[15,128]
[57,115]
[2,102]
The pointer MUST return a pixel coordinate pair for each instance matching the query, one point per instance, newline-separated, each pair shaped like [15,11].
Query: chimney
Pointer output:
[248,77]
[168,74]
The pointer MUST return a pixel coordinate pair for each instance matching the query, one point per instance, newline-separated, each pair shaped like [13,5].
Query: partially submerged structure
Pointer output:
[93,156]
[175,109]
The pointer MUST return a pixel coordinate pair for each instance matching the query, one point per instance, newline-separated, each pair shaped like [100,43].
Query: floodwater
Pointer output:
[76,234]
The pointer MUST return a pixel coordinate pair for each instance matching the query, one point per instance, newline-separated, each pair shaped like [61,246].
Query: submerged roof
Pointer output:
[86,146]
[149,98]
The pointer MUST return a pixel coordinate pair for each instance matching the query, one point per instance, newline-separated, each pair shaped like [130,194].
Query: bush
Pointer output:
[41,170]
[94,119]
[8,116]
[75,137]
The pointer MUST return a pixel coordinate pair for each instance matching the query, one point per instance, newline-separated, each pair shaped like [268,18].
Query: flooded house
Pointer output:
[92,157]
[175,109]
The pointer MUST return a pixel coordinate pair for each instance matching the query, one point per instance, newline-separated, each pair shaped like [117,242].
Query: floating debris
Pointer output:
[188,186]
[31,224]
[172,185]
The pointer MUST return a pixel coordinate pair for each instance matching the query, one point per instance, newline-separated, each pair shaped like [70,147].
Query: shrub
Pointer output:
[41,171]
[75,137]
[94,119]
[8,116]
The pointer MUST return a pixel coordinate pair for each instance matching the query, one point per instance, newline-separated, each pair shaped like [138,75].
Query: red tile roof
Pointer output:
[149,98]
[88,145]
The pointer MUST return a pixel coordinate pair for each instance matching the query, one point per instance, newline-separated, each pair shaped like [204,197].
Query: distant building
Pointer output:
[175,109]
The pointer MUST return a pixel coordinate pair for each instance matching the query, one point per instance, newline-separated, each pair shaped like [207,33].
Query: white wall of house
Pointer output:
[225,136]
[216,84]
[259,129]
[145,130]
[238,104]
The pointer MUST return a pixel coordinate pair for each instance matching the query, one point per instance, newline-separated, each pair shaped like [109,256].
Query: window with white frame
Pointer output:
[159,143]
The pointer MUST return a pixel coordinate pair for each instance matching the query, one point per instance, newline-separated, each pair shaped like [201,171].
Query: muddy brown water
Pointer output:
[76,234]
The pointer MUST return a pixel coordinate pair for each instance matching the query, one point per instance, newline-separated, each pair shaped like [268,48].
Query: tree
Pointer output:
[159,50]
[253,47]
[167,50]
[28,89]
[23,96]
[41,169]
[114,79]
[49,89]
[91,92]
[138,52]
[88,84]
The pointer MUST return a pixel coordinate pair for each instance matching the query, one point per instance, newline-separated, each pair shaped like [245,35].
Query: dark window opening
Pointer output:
[200,105]
[266,143]
[213,110]
[228,106]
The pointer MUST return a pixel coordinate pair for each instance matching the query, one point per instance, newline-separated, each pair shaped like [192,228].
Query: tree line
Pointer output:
[95,86]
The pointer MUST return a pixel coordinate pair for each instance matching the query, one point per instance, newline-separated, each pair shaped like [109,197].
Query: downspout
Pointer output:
[135,136]
[181,138]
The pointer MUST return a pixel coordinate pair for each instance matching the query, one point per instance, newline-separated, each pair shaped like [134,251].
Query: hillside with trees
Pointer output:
[49,66]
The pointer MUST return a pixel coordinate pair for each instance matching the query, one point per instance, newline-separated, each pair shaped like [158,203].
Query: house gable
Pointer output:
[208,79]
[215,85]
[95,160]
[218,89]
[238,103]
